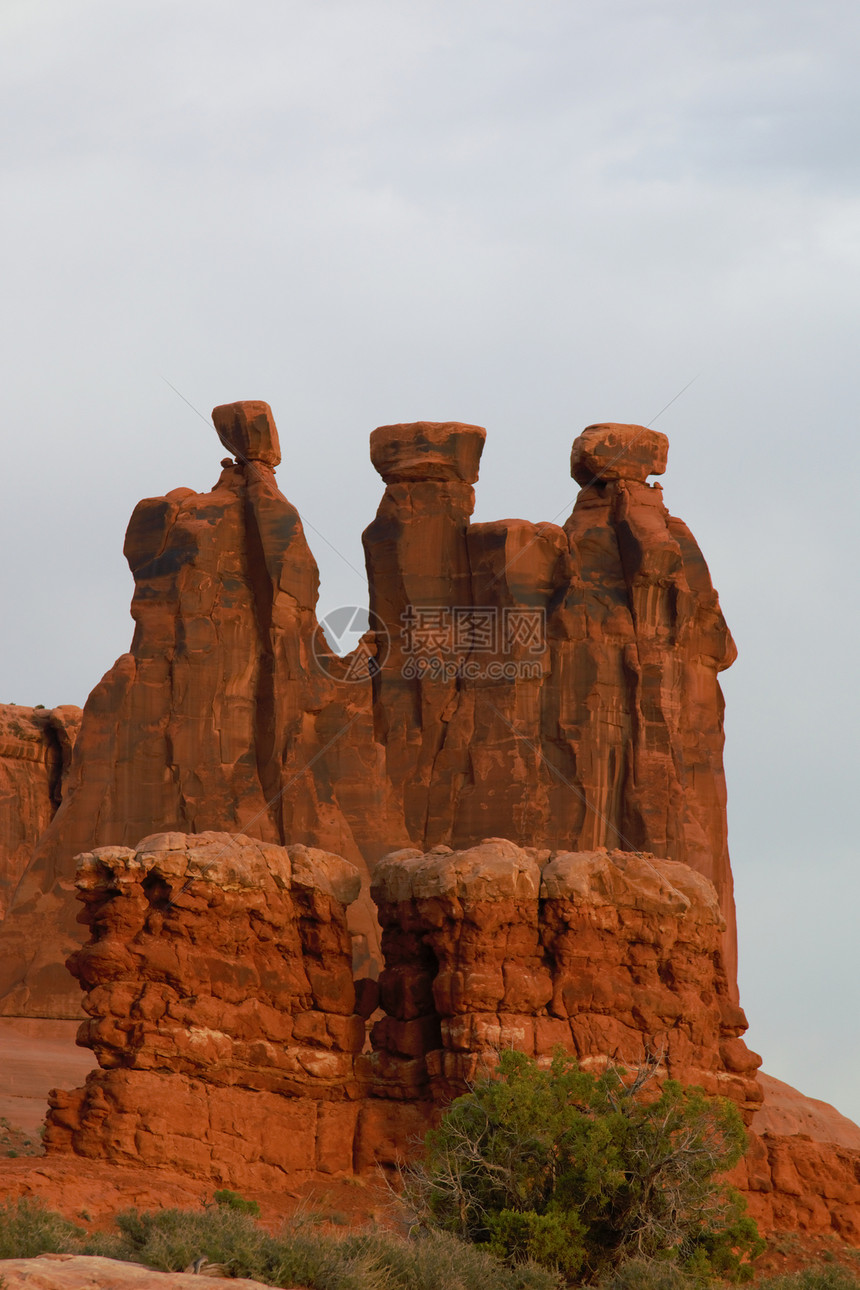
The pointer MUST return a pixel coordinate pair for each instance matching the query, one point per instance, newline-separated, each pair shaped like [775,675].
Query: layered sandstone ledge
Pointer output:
[222,1009]
[233,1041]
[604,953]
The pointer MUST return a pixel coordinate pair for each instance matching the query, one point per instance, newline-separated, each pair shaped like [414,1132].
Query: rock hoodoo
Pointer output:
[554,686]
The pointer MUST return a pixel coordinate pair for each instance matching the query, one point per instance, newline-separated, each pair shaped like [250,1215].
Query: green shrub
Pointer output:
[232,1200]
[439,1261]
[581,1172]
[27,1228]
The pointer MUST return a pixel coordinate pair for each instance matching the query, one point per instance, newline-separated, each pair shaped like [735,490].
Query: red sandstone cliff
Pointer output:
[35,753]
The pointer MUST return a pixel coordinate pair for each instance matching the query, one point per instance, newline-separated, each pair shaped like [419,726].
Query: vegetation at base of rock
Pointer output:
[820,1277]
[300,1255]
[27,1228]
[581,1172]
[303,1255]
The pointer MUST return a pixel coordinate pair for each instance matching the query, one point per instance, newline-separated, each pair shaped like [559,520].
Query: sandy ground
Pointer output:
[36,1056]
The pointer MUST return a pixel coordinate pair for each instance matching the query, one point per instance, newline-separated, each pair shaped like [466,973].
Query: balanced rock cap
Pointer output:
[614,451]
[248,430]
[427,450]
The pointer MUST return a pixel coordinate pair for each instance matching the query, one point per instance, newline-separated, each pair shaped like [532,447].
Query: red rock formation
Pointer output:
[554,686]
[218,983]
[219,989]
[229,1034]
[35,751]
[794,1184]
[802,1171]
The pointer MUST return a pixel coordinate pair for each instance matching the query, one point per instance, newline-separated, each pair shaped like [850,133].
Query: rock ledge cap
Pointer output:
[610,450]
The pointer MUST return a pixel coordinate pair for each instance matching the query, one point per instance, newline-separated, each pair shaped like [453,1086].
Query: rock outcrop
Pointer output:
[222,1010]
[784,1112]
[91,1272]
[603,953]
[553,686]
[35,753]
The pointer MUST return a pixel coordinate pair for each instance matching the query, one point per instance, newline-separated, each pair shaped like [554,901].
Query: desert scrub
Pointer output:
[301,1254]
[817,1277]
[582,1173]
[27,1228]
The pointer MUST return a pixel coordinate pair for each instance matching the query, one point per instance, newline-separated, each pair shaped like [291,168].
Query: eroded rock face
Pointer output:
[612,451]
[218,717]
[248,431]
[554,686]
[35,753]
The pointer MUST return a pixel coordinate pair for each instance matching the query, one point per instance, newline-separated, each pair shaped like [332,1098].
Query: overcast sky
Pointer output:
[531,215]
